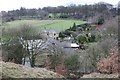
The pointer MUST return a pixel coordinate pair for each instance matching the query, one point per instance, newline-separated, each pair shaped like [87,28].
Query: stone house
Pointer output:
[49,34]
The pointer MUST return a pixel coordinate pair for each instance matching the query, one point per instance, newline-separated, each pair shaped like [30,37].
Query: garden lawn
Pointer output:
[58,25]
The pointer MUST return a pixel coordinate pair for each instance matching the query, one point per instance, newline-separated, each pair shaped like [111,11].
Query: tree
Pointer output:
[72,63]
[11,47]
[32,47]
[61,35]
[111,63]
[32,12]
[56,55]
[23,11]
[92,38]
[31,42]
[82,39]
[12,50]
[74,27]
[100,21]
[55,60]
[22,39]
[110,28]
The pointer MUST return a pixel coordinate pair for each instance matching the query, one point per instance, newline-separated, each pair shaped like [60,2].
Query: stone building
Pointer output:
[49,34]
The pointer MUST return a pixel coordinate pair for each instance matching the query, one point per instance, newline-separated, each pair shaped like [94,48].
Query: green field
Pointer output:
[58,25]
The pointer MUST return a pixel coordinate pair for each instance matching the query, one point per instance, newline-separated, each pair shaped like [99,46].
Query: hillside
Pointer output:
[12,70]
[58,25]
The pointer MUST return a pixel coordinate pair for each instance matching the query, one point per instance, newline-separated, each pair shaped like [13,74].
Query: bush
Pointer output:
[110,28]
[62,35]
[73,27]
[55,60]
[100,21]
[12,51]
[94,53]
[109,64]
[72,62]
[92,38]
[82,39]
[13,39]
[66,33]
[88,60]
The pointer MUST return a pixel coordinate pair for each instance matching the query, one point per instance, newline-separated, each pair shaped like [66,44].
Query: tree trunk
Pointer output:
[32,61]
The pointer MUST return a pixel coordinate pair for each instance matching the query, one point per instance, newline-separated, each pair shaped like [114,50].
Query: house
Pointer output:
[42,58]
[49,34]
[70,45]
[68,38]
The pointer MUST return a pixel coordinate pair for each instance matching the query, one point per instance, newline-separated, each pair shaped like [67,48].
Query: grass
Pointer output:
[58,25]
[12,70]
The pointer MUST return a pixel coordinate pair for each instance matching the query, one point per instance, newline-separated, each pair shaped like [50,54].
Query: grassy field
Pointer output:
[58,25]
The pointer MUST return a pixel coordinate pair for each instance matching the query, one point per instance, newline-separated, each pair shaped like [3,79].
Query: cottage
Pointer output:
[49,34]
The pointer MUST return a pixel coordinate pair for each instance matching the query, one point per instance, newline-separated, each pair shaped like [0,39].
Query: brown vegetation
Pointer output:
[98,75]
[12,70]
[111,63]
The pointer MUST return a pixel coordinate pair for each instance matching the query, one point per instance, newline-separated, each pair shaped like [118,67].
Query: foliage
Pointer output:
[92,38]
[74,27]
[96,51]
[66,33]
[55,55]
[111,63]
[88,58]
[15,45]
[82,39]
[110,28]
[100,21]
[104,46]
[12,50]
[62,35]
[72,62]
[76,12]
[55,60]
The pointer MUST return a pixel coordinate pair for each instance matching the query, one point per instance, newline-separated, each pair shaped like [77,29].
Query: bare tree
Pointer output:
[31,42]
[32,47]
[55,53]
[26,36]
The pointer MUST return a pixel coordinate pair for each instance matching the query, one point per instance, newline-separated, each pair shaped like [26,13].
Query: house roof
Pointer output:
[74,45]
[50,31]
[65,46]
[69,45]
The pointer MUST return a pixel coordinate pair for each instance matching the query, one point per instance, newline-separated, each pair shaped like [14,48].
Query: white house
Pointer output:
[74,45]
[70,45]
